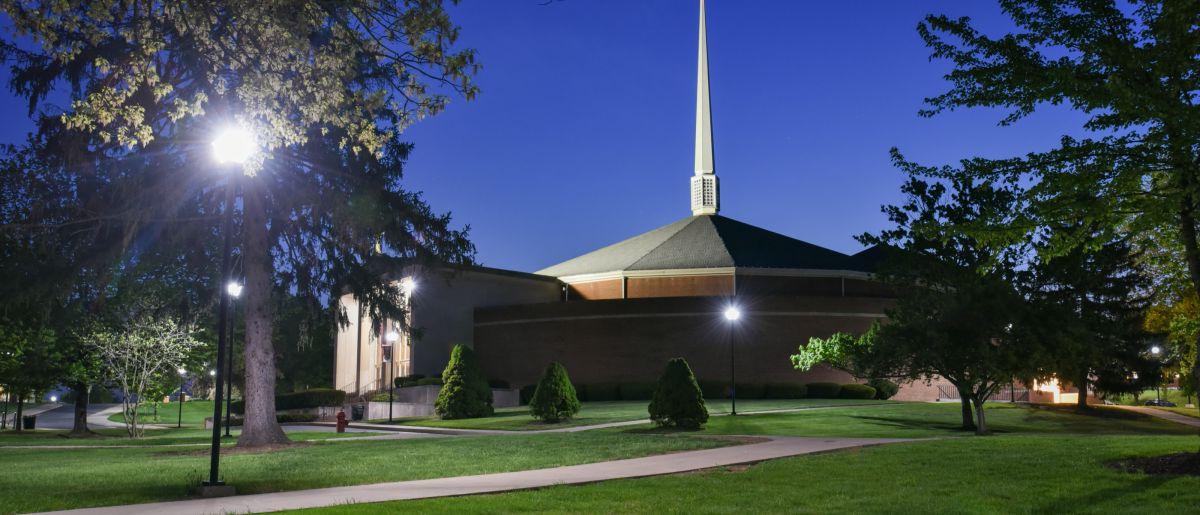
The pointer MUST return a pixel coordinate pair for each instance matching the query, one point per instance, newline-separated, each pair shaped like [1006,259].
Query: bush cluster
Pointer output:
[499,384]
[823,390]
[785,391]
[410,380]
[884,389]
[677,400]
[554,399]
[856,391]
[315,398]
[429,381]
[282,418]
[465,392]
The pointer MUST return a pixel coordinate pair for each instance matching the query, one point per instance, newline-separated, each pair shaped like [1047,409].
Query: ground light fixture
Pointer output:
[182,376]
[732,314]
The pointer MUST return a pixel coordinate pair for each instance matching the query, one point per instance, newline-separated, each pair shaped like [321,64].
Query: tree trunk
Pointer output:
[968,419]
[19,424]
[980,417]
[1191,254]
[80,427]
[259,427]
[1081,404]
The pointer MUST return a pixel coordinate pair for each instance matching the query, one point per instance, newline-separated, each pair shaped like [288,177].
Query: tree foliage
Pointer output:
[139,356]
[465,392]
[325,87]
[677,400]
[1134,72]
[554,399]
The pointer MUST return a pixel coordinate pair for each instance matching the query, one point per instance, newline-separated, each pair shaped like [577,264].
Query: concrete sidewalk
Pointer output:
[1164,414]
[773,447]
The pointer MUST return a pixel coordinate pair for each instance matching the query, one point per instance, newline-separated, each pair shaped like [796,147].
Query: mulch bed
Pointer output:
[1184,463]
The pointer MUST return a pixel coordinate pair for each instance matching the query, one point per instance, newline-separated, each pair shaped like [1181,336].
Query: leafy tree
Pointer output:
[1133,71]
[554,399]
[677,398]
[326,87]
[1095,300]
[139,357]
[958,315]
[465,392]
[33,360]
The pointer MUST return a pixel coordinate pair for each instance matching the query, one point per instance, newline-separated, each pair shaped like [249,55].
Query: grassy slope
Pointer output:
[518,419]
[39,480]
[1002,474]
[914,420]
[1191,412]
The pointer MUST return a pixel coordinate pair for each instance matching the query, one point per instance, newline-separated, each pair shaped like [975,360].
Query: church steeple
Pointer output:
[706,193]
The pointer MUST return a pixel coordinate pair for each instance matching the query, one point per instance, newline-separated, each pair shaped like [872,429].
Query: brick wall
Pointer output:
[631,340]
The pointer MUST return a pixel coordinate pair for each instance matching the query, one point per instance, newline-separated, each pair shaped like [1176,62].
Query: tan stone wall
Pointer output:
[631,340]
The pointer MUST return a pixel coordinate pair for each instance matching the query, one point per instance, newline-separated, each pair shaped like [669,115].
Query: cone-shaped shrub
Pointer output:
[555,398]
[465,392]
[677,399]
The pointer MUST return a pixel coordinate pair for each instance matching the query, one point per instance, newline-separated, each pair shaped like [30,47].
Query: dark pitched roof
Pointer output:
[706,241]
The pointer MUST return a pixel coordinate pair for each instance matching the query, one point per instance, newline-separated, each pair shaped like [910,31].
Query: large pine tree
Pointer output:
[325,87]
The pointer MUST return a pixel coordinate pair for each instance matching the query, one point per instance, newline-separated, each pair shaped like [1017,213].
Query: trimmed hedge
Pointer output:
[315,398]
[884,389]
[785,391]
[282,418]
[636,391]
[499,384]
[823,390]
[714,389]
[677,398]
[554,400]
[411,380]
[527,393]
[751,390]
[429,381]
[856,391]
[602,392]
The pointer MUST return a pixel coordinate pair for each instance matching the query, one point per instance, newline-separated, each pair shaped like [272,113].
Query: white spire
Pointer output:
[706,195]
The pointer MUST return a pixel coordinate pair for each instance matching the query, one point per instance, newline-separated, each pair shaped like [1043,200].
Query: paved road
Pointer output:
[771,448]
[63,417]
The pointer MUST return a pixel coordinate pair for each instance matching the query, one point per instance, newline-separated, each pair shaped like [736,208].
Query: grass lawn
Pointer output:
[38,479]
[518,419]
[194,413]
[917,420]
[1191,412]
[998,474]
[153,437]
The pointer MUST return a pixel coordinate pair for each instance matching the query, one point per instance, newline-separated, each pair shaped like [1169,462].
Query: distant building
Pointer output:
[616,315]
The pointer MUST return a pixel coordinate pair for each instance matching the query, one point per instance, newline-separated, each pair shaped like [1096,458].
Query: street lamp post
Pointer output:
[732,314]
[390,373]
[234,289]
[182,377]
[234,146]
[1155,351]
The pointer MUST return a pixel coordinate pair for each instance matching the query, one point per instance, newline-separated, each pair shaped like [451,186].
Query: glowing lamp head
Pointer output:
[732,313]
[391,336]
[53,398]
[1135,376]
[234,289]
[1155,350]
[182,371]
[408,285]
[234,145]
[212,373]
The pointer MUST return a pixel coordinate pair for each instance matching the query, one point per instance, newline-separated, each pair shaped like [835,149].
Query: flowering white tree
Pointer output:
[137,355]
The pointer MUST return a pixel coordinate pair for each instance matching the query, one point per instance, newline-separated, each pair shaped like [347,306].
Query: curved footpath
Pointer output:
[1164,414]
[773,447]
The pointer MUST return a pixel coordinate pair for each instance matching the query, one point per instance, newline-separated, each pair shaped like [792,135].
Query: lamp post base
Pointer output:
[218,489]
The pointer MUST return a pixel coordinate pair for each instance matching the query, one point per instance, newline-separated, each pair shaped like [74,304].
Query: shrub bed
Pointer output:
[785,391]
[856,391]
[636,391]
[751,391]
[601,392]
[429,381]
[823,390]
[300,400]
[411,380]
[884,389]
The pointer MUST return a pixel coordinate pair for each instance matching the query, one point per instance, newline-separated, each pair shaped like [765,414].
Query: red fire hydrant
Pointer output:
[341,422]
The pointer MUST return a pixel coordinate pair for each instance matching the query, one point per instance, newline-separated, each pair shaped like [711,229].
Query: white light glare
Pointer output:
[732,313]
[234,145]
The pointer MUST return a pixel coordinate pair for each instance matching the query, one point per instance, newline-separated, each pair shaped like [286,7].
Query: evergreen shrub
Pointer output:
[677,400]
[465,392]
[554,399]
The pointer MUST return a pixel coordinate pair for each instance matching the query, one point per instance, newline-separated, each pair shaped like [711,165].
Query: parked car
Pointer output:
[1160,402]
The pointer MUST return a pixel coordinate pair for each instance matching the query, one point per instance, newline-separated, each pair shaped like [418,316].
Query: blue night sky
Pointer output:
[582,135]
